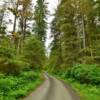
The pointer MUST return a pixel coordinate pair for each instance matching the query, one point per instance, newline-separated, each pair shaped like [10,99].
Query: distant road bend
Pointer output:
[53,89]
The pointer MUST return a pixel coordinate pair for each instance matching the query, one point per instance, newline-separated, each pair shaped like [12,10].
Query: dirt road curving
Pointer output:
[53,89]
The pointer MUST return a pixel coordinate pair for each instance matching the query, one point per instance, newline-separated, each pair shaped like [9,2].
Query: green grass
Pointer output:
[17,87]
[86,92]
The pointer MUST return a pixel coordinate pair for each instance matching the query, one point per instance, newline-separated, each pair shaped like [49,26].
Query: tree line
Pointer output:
[24,13]
[25,44]
[76,33]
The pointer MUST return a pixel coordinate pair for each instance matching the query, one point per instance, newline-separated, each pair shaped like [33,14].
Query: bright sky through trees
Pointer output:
[51,7]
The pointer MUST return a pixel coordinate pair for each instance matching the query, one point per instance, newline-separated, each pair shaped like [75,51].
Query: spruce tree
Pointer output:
[40,18]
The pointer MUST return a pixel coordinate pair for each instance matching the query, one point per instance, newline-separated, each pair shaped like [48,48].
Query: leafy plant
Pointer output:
[34,52]
[84,73]
[16,87]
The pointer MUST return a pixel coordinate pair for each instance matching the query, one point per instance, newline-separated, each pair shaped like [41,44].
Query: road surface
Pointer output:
[53,89]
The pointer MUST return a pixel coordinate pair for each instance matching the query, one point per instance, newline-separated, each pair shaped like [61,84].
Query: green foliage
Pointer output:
[40,25]
[6,52]
[16,87]
[7,64]
[34,52]
[78,34]
[12,66]
[86,92]
[89,74]
[21,50]
[2,30]
[2,25]
[33,56]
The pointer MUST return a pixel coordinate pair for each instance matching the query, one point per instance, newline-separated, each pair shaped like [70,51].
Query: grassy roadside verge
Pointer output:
[86,92]
[17,87]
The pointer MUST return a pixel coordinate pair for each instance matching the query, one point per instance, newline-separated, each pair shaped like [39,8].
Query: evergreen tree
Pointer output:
[40,25]
[78,32]
[2,25]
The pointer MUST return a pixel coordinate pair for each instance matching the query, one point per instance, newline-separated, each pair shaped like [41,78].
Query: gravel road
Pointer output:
[53,89]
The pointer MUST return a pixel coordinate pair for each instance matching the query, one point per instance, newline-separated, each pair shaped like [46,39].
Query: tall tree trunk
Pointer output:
[25,21]
[84,34]
[14,26]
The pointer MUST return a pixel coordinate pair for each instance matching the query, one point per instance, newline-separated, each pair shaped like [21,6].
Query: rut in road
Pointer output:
[53,89]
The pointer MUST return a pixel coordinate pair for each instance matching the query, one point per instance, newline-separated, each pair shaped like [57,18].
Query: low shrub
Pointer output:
[84,73]
[30,76]
[86,92]
[5,85]
[12,66]
[6,52]
[15,87]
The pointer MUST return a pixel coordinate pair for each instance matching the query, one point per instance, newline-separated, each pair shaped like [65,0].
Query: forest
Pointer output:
[74,52]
